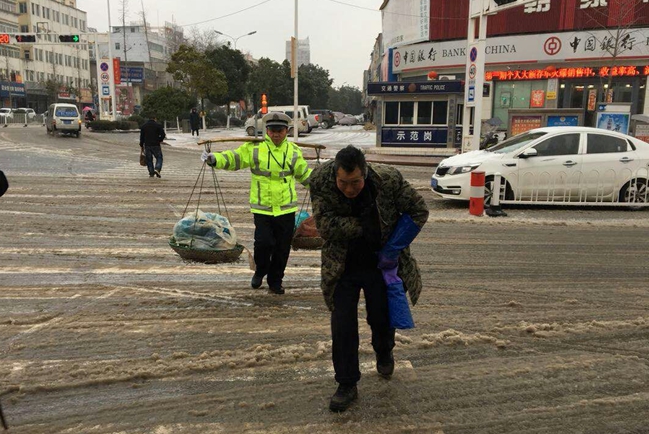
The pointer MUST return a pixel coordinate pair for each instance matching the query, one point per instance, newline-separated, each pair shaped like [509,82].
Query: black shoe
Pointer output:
[256,281]
[276,289]
[343,398]
[385,365]
[157,173]
[151,175]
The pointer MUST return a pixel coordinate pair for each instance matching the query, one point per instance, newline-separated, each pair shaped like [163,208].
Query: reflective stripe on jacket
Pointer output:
[274,170]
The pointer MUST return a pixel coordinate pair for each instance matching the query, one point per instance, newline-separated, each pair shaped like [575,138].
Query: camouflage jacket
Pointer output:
[332,213]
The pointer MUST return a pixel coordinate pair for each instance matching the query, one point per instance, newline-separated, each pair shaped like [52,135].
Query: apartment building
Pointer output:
[144,54]
[11,91]
[303,51]
[47,59]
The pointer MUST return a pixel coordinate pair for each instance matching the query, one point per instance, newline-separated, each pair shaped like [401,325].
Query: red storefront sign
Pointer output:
[117,72]
[544,74]
[537,99]
[520,124]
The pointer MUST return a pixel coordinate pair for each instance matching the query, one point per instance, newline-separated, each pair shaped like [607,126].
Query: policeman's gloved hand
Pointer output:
[209,158]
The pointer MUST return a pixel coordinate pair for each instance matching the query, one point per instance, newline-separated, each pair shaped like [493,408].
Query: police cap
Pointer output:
[276,119]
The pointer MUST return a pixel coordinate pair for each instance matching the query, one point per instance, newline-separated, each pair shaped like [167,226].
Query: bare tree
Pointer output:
[620,33]
[203,39]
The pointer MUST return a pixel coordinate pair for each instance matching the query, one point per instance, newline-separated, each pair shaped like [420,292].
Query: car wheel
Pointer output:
[635,191]
[506,191]
[250,131]
[324,125]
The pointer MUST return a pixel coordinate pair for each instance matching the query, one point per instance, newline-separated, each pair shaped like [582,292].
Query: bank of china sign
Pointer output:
[547,47]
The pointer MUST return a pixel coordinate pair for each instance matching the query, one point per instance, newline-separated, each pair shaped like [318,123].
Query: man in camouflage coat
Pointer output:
[356,207]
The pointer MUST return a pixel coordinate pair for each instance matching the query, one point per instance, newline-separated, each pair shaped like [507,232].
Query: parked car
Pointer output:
[348,120]
[23,115]
[553,165]
[31,114]
[6,114]
[249,126]
[325,117]
[64,118]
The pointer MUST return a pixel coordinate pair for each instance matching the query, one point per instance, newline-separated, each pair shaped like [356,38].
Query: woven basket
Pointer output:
[307,243]
[205,255]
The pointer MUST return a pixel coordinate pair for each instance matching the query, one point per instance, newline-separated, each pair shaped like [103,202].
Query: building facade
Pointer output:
[12,90]
[143,53]
[559,54]
[48,62]
[303,52]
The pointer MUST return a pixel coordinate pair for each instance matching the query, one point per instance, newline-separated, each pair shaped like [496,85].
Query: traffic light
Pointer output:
[264,104]
[69,38]
[25,38]
[4,38]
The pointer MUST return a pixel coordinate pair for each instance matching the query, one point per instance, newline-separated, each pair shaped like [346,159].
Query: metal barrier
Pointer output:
[21,119]
[593,188]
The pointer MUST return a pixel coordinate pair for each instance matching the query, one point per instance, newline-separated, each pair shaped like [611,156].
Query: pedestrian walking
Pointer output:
[151,136]
[356,207]
[194,121]
[275,164]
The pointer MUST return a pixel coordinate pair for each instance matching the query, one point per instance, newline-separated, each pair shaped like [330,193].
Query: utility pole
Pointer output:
[296,67]
[111,64]
[475,65]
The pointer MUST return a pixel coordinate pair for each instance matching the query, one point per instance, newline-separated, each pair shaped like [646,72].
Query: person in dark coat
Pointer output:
[4,184]
[194,121]
[151,136]
[356,207]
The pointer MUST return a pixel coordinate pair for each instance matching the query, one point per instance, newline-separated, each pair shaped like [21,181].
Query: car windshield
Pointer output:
[515,143]
[67,112]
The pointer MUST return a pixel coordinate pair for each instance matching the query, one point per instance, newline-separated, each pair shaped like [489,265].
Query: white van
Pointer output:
[64,118]
[261,129]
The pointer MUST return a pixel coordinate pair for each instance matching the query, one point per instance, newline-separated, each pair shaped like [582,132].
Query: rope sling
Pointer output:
[191,252]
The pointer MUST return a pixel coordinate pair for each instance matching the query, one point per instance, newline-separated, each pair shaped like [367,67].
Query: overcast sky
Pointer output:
[341,32]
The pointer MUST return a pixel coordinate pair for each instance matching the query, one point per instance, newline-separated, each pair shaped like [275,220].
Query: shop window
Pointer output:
[391,113]
[424,112]
[406,113]
[440,113]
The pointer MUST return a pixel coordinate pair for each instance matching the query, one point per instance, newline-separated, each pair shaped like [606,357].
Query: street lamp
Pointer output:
[233,38]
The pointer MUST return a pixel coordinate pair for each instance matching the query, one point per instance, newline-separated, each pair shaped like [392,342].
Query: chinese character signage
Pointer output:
[631,43]
[563,73]
[520,124]
[403,87]
[13,89]
[413,136]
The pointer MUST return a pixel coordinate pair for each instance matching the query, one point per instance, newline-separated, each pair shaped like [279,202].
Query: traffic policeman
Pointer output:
[275,164]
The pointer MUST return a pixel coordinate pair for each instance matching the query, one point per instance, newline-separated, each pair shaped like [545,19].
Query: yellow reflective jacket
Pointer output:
[274,170]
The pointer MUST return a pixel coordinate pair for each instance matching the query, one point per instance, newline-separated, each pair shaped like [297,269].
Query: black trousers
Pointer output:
[273,237]
[344,321]
[149,153]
